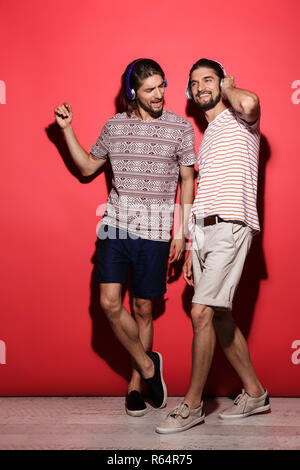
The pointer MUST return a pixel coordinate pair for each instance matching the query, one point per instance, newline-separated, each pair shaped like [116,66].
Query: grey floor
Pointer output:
[101,423]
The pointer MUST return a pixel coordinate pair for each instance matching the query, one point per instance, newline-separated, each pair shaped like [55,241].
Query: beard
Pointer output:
[153,113]
[210,104]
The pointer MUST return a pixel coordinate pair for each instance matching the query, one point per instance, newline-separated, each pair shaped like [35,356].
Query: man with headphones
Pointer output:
[223,221]
[148,147]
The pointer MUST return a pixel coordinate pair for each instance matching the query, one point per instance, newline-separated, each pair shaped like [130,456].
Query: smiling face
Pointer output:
[205,88]
[150,95]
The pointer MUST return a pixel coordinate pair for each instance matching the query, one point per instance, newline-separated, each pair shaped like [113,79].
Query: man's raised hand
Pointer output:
[63,115]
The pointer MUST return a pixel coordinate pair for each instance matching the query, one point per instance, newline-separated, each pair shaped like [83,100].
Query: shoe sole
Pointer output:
[184,428]
[136,413]
[261,409]
[162,381]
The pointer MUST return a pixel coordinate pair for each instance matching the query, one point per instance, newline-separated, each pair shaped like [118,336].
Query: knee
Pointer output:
[142,310]
[202,316]
[111,306]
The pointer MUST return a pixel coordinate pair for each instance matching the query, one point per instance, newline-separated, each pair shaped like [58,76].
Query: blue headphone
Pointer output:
[188,92]
[130,92]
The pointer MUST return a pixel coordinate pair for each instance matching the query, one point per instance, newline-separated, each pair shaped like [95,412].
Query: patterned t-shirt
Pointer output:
[228,164]
[145,157]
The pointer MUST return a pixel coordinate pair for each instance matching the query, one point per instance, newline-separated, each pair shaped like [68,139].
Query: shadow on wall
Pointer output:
[222,378]
[55,135]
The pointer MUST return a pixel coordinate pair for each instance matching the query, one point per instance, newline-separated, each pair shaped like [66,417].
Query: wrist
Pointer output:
[227,89]
[179,234]
[67,130]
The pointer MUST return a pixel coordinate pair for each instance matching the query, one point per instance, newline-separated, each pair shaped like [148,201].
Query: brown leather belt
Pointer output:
[212,219]
[215,219]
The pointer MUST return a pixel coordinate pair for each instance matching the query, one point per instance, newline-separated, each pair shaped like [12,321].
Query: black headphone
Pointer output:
[130,92]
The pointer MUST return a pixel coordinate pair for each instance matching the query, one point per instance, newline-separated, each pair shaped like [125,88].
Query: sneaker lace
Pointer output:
[242,397]
[181,410]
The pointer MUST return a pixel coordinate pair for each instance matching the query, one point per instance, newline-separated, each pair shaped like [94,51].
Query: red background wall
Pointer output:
[54,339]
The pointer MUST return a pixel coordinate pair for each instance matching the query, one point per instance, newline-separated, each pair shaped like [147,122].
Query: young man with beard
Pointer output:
[148,148]
[223,221]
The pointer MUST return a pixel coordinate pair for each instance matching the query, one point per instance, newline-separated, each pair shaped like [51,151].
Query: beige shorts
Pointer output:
[219,253]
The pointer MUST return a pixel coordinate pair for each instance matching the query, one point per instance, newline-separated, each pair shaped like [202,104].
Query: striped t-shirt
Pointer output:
[145,157]
[228,165]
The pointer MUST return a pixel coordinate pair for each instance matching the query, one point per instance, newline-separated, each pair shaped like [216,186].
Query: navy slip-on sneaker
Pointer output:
[156,385]
[134,404]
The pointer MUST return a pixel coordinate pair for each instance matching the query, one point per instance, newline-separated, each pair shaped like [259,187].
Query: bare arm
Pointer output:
[86,162]
[244,102]
[187,193]
[186,201]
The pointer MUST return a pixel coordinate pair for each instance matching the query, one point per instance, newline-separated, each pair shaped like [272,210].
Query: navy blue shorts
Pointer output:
[119,252]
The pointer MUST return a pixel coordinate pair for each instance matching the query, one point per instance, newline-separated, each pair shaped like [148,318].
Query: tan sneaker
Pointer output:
[181,418]
[244,405]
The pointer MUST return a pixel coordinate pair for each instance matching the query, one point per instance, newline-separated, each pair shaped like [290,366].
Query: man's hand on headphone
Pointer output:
[227,82]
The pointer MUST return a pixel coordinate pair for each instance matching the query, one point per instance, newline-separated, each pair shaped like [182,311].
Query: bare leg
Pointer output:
[236,350]
[204,341]
[142,309]
[125,327]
